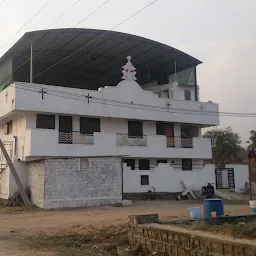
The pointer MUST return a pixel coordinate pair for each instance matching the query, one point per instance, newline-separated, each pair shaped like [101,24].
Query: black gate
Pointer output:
[225,178]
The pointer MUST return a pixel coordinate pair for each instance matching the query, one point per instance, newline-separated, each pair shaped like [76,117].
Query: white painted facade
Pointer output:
[114,106]
[241,176]
[126,100]
[135,105]
[8,185]
[166,178]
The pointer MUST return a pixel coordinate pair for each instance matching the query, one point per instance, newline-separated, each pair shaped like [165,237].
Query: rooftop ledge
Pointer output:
[126,100]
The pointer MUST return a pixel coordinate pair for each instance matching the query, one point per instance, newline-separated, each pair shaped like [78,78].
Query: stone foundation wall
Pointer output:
[68,184]
[174,241]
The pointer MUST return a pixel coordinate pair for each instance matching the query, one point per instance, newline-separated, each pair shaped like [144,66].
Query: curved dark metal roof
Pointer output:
[97,64]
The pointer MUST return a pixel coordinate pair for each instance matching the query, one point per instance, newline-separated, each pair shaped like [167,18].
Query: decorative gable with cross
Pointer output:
[129,71]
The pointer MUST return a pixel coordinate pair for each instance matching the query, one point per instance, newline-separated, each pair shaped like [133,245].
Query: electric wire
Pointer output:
[62,14]
[93,40]
[109,102]
[63,94]
[85,18]
[2,2]
[27,22]
[97,99]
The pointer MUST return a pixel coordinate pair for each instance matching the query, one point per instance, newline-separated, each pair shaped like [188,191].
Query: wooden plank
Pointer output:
[187,189]
[15,175]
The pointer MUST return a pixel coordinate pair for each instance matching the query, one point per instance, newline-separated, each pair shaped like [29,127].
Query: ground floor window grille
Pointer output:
[187,164]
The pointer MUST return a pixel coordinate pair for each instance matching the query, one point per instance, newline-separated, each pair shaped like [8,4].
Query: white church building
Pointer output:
[82,132]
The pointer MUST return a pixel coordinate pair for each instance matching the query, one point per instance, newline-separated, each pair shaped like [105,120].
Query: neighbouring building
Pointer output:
[79,136]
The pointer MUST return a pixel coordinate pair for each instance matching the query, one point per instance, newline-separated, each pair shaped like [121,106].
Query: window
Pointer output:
[130,163]
[187,94]
[189,131]
[144,164]
[187,164]
[135,128]
[161,161]
[89,125]
[166,129]
[8,128]
[160,128]
[84,164]
[45,121]
[144,180]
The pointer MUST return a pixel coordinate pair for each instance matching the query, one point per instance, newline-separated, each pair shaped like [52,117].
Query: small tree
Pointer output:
[227,146]
[253,138]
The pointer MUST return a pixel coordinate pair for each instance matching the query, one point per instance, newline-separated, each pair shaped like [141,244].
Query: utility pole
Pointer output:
[15,175]
[31,62]
[251,155]
[250,178]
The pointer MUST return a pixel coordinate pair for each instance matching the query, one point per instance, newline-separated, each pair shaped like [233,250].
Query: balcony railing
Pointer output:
[178,142]
[75,138]
[126,140]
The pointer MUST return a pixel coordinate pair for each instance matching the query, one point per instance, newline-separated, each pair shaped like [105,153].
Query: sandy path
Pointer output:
[84,220]
[52,222]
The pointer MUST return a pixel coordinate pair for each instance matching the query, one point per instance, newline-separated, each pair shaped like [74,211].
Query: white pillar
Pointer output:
[76,123]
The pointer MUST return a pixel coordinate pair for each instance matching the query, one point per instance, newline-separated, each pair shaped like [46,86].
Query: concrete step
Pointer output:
[229,195]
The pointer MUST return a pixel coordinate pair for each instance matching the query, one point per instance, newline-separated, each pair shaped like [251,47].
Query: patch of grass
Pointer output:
[104,242]
[67,241]
[17,209]
[245,230]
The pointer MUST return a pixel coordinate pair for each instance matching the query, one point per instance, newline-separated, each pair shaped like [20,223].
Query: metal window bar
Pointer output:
[179,142]
[126,140]
[76,138]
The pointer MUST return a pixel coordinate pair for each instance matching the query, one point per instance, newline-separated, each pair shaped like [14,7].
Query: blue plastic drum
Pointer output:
[213,205]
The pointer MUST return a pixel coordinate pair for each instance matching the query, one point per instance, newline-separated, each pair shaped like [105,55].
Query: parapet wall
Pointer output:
[146,231]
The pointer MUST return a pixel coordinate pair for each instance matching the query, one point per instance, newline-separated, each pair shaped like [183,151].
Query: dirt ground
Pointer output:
[80,221]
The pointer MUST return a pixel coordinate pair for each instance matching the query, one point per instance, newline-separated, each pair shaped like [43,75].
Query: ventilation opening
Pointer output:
[84,164]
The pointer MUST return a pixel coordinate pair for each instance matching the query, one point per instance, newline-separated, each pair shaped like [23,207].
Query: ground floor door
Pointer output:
[225,178]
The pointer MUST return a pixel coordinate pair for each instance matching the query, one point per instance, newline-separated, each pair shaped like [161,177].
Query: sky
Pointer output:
[220,33]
